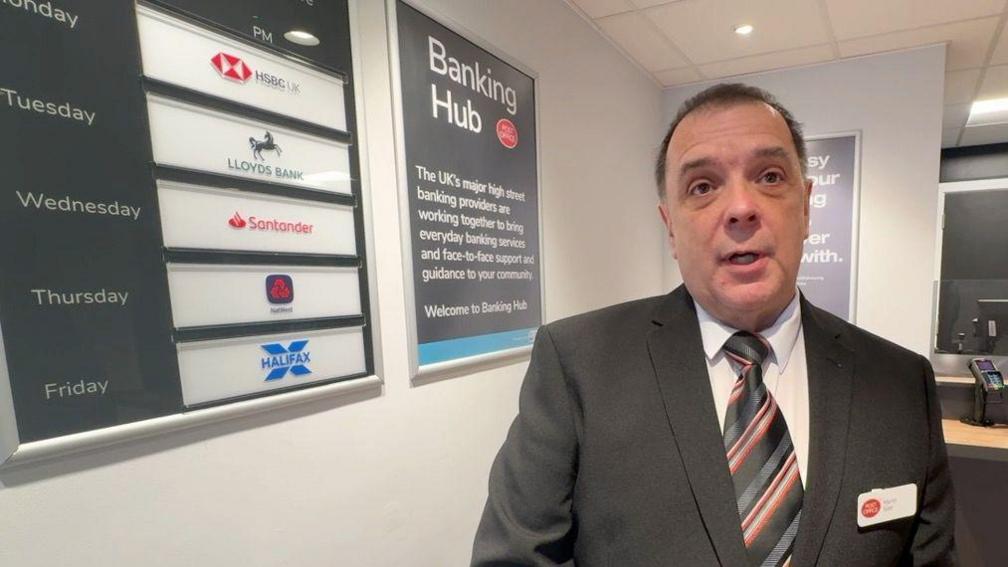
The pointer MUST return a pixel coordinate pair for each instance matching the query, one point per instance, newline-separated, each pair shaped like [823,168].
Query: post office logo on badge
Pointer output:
[871,508]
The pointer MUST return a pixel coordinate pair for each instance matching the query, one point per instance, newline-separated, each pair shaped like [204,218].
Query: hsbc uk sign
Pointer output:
[234,68]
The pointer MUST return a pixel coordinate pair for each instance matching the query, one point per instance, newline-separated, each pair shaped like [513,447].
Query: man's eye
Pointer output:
[772,177]
[700,189]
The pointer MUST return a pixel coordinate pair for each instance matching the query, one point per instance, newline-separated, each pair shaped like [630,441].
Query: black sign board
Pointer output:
[470,153]
[84,298]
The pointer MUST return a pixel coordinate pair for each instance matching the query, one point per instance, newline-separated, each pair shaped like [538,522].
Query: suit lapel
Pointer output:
[830,372]
[679,363]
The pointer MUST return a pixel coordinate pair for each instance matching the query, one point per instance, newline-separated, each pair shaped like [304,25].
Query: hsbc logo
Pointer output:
[233,68]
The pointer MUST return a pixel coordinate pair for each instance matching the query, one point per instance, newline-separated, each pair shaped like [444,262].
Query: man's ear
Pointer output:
[666,218]
[807,208]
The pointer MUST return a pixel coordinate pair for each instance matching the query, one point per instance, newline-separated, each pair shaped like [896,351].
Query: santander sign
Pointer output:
[237,221]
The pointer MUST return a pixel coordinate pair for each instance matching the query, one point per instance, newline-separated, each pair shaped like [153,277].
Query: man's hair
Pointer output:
[721,96]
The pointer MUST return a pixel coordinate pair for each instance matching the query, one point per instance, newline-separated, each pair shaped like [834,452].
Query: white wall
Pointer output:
[397,479]
[895,100]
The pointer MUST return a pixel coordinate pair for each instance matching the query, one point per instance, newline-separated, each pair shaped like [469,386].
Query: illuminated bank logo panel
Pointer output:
[237,71]
[183,221]
[293,201]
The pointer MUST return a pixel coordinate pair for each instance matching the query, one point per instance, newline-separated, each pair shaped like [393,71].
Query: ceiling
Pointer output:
[686,41]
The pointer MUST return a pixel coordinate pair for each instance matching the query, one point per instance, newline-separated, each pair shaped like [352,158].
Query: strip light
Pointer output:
[992,111]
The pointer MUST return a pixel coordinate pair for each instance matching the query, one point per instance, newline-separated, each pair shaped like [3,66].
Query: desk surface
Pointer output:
[976,442]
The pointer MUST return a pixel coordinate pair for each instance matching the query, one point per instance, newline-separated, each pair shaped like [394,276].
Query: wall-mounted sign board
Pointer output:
[828,272]
[182,216]
[469,179]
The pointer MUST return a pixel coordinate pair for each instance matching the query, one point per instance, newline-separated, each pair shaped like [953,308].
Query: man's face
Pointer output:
[737,211]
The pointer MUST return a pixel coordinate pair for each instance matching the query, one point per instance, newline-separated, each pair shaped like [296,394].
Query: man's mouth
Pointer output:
[743,258]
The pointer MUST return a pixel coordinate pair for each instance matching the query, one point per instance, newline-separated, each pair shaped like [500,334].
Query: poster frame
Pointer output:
[425,372]
[14,454]
[855,214]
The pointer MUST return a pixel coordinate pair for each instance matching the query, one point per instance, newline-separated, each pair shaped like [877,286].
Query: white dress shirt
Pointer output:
[785,372]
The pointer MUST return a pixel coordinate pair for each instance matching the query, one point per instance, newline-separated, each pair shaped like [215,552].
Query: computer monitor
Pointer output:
[992,325]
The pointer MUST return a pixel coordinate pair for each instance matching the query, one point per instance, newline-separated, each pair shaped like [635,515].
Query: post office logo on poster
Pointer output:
[507,133]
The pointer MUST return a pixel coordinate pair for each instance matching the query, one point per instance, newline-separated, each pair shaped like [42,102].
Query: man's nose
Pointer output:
[742,209]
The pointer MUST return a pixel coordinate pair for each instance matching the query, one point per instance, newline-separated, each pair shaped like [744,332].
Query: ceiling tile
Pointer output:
[672,77]
[768,61]
[702,29]
[1000,55]
[995,83]
[990,134]
[949,137]
[642,41]
[858,18]
[600,8]
[650,3]
[960,86]
[968,42]
[955,115]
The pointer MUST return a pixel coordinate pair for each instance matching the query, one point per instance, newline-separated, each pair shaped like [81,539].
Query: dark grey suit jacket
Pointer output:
[616,456]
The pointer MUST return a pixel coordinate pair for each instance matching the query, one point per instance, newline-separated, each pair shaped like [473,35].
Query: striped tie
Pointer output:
[761,458]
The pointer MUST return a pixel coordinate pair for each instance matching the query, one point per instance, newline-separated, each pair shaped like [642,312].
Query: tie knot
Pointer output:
[752,349]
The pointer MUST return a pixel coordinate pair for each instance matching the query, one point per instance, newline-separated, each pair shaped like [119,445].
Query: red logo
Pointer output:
[270,225]
[279,288]
[231,67]
[871,508]
[507,133]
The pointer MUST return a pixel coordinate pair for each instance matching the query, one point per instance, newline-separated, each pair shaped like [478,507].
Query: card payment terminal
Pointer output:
[990,397]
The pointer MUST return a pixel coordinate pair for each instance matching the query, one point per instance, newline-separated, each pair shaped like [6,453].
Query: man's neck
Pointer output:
[754,321]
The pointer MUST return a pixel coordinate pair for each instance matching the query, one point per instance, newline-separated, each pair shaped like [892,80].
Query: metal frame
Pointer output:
[950,364]
[9,437]
[392,25]
[15,454]
[855,214]
[99,438]
[364,174]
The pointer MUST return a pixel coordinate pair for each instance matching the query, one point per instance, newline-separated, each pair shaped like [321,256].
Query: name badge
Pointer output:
[886,504]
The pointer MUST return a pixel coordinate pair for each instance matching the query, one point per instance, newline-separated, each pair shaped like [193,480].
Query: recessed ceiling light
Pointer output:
[301,37]
[992,111]
[744,29]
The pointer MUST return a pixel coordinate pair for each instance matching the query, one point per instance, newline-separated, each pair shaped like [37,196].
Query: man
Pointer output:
[730,422]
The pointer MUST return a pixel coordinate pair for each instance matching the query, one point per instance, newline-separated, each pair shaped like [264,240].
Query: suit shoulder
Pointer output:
[865,341]
[614,320]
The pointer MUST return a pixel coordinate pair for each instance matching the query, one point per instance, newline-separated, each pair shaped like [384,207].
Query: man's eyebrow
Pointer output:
[695,164]
[775,151]
[772,151]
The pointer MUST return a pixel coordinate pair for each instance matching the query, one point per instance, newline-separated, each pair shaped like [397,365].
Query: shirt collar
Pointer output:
[782,335]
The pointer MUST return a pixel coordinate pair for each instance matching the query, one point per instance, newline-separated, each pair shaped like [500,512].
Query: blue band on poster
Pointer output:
[451,349]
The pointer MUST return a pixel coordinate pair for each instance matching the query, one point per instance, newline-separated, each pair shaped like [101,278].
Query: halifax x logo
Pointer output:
[283,359]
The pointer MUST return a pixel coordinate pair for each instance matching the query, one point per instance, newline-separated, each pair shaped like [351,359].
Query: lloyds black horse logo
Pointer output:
[266,143]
